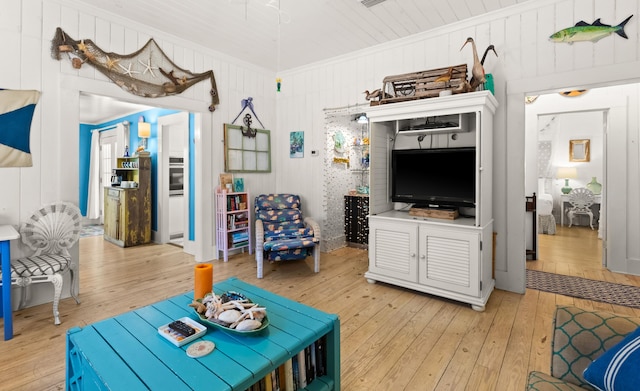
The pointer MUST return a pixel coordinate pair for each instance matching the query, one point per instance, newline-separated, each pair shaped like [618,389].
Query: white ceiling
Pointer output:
[284,34]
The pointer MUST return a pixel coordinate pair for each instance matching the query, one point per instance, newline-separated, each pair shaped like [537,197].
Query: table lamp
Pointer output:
[566,173]
[144,132]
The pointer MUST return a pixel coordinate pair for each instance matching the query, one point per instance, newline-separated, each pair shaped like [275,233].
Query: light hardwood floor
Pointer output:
[391,338]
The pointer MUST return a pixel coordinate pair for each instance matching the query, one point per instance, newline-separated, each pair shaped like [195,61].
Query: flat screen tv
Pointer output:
[438,177]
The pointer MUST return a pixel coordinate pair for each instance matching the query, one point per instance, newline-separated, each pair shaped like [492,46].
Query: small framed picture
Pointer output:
[226,182]
[238,185]
[296,144]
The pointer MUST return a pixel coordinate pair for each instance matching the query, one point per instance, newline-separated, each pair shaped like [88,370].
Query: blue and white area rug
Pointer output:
[584,288]
[92,230]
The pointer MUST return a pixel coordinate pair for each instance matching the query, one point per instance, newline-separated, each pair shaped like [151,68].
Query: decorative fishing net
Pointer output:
[147,72]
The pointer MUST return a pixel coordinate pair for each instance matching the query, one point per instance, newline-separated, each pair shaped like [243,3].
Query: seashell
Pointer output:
[232,296]
[229,316]
[258,315]
[248,325]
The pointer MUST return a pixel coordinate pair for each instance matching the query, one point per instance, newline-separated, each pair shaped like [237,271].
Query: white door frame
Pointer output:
[163,234]
[614,236]
[533,137]
[106,137]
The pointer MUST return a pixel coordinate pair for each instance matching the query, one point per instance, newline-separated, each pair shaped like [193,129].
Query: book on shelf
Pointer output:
[302,369]
[280,376]
[241,236]
[240,224]
[321,356]
[288,375]
[296,373]
[311,367]
[268,384]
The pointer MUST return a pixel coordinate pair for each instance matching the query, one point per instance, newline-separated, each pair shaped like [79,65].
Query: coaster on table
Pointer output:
[200,348]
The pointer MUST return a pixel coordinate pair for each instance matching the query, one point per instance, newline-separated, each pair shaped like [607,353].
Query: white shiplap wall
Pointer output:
[527,63]
[28,27]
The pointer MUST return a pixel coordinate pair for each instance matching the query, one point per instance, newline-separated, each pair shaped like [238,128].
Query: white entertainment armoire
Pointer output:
[447,258]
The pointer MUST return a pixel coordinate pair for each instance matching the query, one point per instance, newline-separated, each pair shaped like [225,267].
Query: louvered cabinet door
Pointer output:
[449,259]
[392,249]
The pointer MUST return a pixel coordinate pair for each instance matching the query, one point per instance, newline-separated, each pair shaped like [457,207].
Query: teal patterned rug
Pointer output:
[584,288]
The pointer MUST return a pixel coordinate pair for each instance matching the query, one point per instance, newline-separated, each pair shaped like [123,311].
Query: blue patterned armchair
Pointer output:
[282,233]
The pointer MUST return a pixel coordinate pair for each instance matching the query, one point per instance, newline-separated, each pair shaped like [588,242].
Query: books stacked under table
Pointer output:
[298,371]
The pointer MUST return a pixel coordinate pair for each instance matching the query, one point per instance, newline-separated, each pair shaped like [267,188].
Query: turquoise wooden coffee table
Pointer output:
[127,353]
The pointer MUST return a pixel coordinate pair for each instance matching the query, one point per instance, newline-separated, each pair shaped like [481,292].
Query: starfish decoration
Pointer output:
[82,47]
[127,71]
[111,64]
[85,50]
[148,67]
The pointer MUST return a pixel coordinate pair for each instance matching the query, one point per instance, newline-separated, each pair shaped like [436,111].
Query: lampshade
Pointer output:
[567,173]
[144,129]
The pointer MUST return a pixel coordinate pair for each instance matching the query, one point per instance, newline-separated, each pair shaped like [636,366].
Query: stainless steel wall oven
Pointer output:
[176,176]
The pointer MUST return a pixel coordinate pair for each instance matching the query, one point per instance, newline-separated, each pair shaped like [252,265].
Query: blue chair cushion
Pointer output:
[277,201]
[295,233]
[277,215]
[283,226]
[617,368]
[288,244]
[289,255]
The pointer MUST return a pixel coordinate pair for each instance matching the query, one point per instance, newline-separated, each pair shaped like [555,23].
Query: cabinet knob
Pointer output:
[413,255]
[423,256]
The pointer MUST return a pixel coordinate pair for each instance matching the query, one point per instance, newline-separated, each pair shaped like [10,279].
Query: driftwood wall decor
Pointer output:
[147,72]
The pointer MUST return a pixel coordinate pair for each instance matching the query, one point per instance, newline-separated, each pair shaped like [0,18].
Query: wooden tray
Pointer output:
[449,214]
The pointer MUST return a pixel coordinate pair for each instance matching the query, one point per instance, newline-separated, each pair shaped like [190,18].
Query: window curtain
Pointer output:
[93,195]
[122,139]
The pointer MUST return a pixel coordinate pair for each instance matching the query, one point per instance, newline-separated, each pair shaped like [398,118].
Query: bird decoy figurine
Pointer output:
[484,56]
[375,94]
[477,70]
[463,87]
[446,77]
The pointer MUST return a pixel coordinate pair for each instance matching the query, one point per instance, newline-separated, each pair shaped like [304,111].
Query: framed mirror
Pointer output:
[245,153]
[578,150]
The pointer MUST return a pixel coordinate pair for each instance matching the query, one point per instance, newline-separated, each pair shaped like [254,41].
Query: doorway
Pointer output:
[174,173]
[105,114]
[600,116]
[108,148]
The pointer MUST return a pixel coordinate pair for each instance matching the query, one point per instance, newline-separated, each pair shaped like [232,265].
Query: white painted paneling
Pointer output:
[54,145]
[521,39]
[339,83]
[544,51]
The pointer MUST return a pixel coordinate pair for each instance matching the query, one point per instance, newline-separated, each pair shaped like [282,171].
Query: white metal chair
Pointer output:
[51,231]
[581,200]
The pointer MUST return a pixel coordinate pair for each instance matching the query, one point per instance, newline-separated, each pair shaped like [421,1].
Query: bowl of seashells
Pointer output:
[231,311]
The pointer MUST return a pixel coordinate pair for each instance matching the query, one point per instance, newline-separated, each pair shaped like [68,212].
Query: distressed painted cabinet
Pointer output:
[127,211]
